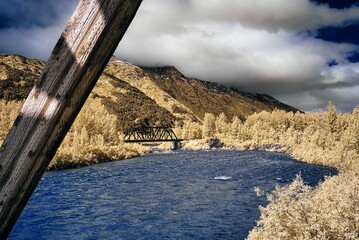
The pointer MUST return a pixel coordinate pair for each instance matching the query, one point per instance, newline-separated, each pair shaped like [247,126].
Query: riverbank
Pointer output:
[89,155]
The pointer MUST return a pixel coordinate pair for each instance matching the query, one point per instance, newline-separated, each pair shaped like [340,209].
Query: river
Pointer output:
[178,195]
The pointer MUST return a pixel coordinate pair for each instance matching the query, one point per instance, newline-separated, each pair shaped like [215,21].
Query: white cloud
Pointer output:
[342,74]
[255,45]
[273,15]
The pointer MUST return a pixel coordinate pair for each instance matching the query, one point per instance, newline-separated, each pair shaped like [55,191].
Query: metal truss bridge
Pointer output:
[145,133]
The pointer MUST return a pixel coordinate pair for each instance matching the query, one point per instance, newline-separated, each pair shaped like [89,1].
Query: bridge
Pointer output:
[145,133]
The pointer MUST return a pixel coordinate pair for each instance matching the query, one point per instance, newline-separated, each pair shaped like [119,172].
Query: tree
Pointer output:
[221,124]
[209,125]
[235,127]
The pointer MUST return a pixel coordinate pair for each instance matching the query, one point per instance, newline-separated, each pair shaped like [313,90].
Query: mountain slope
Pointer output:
[17,76]
[138,79]
[133,94]
[202,97]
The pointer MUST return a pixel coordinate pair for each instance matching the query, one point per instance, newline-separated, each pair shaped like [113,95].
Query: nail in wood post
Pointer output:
[86,45]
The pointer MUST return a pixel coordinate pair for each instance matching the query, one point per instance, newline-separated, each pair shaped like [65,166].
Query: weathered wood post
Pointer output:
[77,61]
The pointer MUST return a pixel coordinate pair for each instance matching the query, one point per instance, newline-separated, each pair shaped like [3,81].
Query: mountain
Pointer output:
[161,95]
[201,96]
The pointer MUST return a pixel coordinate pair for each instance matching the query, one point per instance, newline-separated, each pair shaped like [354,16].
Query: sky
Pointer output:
[302,52]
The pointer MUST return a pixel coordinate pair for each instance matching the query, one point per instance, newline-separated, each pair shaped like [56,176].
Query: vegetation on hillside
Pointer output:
[162,95]
[327,138]
[93,138]
[17,76]
[131,106]
[160,105]
[208,97]
[8,113]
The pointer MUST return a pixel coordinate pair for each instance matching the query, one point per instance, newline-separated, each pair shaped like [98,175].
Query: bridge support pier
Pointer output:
[176,145]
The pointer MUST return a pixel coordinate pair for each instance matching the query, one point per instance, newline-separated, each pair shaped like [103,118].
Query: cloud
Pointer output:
[274,15]
[35,42]
[31,13]
[269,15]
[266,46]
[257,46]
[32,27]
[345,99]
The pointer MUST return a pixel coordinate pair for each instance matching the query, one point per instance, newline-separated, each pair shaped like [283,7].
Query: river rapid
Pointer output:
[177,195]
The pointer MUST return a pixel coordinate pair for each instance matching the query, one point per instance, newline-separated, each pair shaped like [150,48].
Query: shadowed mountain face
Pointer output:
[161,95]
[17,76]
[202,97]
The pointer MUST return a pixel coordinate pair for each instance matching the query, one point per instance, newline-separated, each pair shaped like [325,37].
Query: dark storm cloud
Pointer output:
[32,27]
[31,13]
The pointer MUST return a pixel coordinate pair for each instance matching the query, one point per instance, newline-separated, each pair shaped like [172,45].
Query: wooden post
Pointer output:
[77,61]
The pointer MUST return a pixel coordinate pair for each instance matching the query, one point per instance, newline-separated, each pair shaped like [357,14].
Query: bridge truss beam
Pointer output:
[151,134]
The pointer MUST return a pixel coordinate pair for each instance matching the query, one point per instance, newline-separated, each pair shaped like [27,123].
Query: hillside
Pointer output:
[202,97]
[162,95]
[17,76]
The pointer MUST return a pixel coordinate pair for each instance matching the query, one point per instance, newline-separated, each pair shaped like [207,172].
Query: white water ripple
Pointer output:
[223,178]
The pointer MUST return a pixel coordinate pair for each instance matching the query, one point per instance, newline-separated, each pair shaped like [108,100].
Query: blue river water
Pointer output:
[178,195]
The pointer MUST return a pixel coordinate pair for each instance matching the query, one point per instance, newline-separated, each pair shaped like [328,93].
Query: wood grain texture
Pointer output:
[78,59]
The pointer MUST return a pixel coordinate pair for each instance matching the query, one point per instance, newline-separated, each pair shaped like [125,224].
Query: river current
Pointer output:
[177,195]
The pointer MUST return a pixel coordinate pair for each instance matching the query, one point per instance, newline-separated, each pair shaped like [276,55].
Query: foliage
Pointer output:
[330,211]
[8,113]
[327,138]
[93,138]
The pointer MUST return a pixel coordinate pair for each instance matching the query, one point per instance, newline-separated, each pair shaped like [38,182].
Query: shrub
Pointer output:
[330,211]
[93,137]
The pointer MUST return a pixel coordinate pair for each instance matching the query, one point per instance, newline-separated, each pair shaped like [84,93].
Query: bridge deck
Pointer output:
[153,140]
